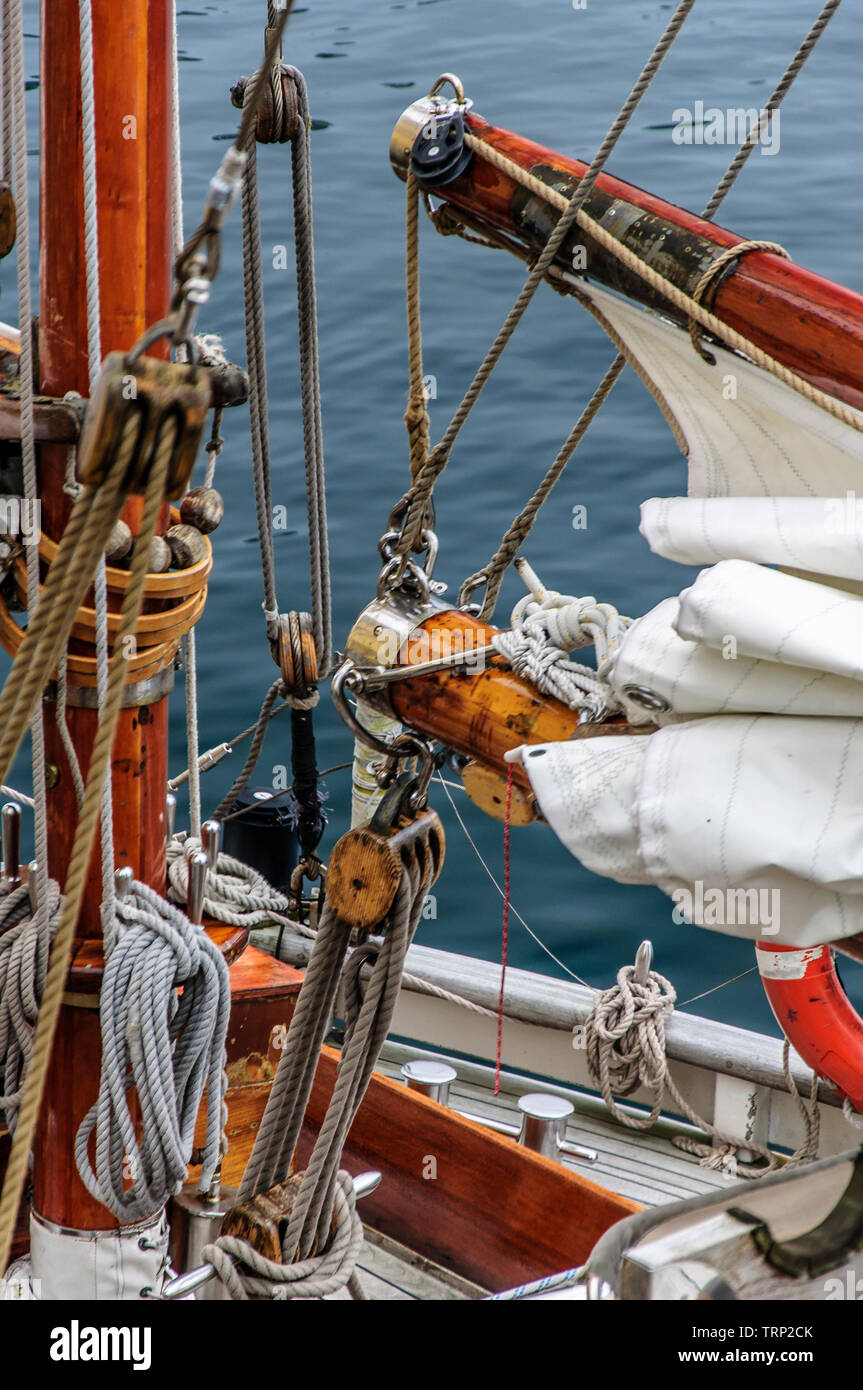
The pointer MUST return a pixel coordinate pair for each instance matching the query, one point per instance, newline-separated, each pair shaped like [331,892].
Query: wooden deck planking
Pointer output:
[645,1167]
[389,1272]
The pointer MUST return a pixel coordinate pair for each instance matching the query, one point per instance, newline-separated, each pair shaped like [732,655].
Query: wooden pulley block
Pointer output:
[8,221]
[263,1220]
[154,396]
[268,129]
[365,867]
[487,789]
[296,655]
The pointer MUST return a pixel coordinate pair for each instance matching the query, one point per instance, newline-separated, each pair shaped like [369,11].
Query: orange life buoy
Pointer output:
[815,1013]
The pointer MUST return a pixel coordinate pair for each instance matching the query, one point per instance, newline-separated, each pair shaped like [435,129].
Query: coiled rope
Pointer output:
[25,940]
[168,1047]
[235,893]
[625,1040]
[545,629]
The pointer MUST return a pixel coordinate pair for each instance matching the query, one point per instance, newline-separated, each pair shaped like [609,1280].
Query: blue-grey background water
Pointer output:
[558,75]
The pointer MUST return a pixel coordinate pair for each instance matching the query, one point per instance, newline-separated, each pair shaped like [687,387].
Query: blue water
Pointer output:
[557,75]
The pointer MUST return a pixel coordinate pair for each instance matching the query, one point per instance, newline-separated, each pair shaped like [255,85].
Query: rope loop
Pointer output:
[725,259]
[168,1048]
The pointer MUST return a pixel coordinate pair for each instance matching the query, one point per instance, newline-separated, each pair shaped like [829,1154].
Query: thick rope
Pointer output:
[368,1013]
[317,1277]
[235,893]
[544,631]
[416,414]
[55,983]
[416,502]
[24,946]
[625,1039]
[168,1047]
[253,291]
[725,258]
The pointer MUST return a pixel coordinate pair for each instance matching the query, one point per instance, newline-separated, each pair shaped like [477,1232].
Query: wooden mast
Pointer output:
[132,90]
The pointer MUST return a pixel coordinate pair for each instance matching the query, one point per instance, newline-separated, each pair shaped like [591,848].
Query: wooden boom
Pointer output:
[484,714]
[805,321]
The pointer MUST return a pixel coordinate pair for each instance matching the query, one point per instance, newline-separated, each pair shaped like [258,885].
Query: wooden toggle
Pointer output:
[263,1219]
[366,866]
[160,395]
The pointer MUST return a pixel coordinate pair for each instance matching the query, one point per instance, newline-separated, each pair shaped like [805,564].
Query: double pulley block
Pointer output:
[139,406]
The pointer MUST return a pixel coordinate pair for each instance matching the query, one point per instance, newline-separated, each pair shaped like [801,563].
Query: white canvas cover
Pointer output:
[822,535]
[766,805]
[694,679]
[775,616]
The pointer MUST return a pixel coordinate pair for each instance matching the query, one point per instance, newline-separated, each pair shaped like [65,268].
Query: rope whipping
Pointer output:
[368,1014]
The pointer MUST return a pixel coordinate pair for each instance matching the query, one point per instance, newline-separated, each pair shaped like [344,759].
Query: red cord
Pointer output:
[504,926]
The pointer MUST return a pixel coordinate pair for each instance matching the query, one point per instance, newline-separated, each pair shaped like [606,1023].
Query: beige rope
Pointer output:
[416,415]
[55,984]
[677,297]
[731,253]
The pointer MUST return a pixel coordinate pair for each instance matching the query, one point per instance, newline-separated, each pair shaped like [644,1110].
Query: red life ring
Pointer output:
[815,1013]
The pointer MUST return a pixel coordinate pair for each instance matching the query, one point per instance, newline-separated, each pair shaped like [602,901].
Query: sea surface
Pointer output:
[557,74]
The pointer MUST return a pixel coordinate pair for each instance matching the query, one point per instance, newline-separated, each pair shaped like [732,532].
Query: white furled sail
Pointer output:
[745,804]
[748,435]
[656,666]
[750,823]
[774,616]
[822,535]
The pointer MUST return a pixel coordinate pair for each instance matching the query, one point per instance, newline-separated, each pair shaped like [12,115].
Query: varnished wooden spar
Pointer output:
[132,77]
[805,321]
[483,715]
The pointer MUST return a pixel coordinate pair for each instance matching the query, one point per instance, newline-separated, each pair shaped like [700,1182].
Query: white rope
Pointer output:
[169,1048]
[625,1039]
[24,946]
[234,893]
[17,796]
[14,52]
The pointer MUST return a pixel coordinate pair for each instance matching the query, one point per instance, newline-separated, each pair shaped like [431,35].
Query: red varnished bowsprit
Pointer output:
[810,324]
